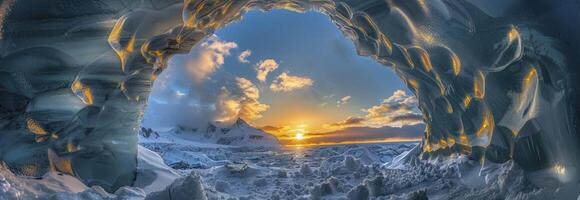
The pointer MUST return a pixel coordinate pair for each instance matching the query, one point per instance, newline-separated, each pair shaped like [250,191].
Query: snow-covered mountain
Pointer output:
[238,134]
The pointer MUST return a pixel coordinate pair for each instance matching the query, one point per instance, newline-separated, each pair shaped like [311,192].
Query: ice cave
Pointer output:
[496,82]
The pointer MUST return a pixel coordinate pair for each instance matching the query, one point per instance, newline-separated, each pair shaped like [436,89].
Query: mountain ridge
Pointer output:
[240,133]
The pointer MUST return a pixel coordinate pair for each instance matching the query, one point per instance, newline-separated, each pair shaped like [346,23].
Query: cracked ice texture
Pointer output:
[75,76]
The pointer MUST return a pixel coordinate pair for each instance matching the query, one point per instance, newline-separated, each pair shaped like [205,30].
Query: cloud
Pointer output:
[248,88]
[251,108]
[352,121]
[366,134]
[279,131]
[287,83]
[194,100]
[273,129]
[264,67]
[243,57]
[342,101]
[239,101]
[227,107]
[398,110]
[323,104]
[410,118]
[208,58]
[286,134]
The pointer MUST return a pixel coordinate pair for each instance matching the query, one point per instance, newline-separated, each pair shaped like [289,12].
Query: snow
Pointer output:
[380,171]
[171,166]
[239,134]
[293,173]
[152,173]
[189,187]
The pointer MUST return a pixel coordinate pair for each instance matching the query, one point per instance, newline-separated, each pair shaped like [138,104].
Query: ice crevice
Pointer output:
[498,86]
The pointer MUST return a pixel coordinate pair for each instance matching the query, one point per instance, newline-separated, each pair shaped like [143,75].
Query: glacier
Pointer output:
[496,81]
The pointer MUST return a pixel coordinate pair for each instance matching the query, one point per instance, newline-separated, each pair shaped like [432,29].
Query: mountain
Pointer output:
[238,134]
[369,133]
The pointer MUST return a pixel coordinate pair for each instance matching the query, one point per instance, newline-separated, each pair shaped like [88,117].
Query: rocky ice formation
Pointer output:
[494,80]
[152,177]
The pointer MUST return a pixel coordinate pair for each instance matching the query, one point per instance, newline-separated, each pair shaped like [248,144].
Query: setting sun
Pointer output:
[299,136]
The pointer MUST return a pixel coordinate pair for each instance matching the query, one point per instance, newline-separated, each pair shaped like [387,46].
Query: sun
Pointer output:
[299,136]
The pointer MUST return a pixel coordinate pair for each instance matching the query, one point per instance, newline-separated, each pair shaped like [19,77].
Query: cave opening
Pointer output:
[495,84]
[288,87]
[303,73]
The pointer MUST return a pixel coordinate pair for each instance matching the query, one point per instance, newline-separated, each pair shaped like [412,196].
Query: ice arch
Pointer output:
[493,80]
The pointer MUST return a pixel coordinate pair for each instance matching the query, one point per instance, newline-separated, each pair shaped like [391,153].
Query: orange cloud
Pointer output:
[287,83]
[397,110]
[239,102]
[243,57]
[248,88]
[251,108]
[352,121]
[371,141]
[210,57]
[363,135]
[264,67]
[227,107]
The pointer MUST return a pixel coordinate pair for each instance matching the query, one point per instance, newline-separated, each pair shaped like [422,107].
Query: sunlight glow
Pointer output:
[300,130]
[372,141]
[299,136]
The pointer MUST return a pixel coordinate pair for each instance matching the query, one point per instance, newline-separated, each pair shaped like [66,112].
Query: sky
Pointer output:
[292,74]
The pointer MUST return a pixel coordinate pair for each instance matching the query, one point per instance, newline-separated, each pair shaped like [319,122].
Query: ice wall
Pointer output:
[494,79]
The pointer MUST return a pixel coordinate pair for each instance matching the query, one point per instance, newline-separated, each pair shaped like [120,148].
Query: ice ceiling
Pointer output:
[492,80]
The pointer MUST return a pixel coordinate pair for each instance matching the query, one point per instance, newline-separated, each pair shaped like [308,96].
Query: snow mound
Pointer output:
[152,174]
[190,188]
[406,159]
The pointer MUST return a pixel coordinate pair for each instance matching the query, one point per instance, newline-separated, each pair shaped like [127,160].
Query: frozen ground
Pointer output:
[249,169]
[286,173]
[359,171]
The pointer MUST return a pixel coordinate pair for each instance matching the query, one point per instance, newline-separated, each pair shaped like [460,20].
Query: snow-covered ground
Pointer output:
[358,171]
[189,164]
[285,173]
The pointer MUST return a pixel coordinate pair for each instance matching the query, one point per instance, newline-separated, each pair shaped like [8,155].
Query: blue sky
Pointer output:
[309,44]
[316,67]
